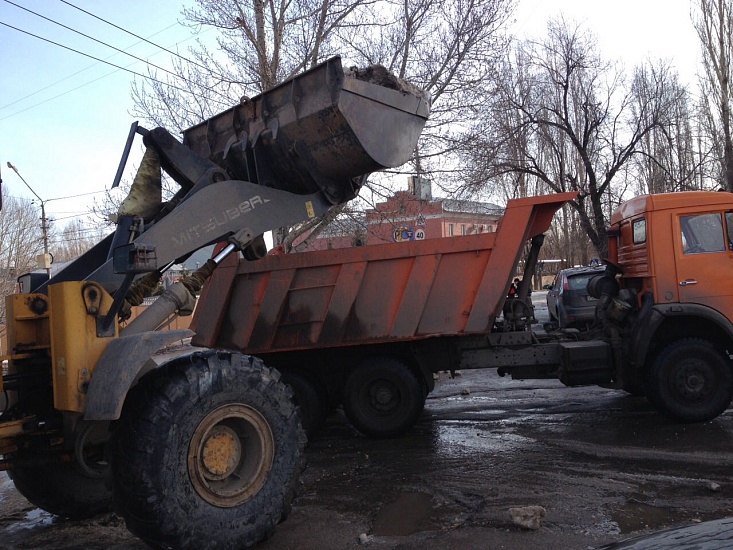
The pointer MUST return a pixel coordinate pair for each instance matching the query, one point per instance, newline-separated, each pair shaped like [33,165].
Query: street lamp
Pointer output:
[44,225]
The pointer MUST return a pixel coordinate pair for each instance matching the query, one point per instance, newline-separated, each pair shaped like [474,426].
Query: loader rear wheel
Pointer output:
[207,453]
[61,489]
[690,381]
[383,397]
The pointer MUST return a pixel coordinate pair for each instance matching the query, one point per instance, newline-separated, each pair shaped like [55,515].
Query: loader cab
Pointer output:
[29,281]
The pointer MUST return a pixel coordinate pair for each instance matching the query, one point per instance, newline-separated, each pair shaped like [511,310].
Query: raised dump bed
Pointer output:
[368,326]
[372,294]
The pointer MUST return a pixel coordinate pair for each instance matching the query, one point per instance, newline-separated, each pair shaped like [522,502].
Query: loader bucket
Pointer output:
[320,130]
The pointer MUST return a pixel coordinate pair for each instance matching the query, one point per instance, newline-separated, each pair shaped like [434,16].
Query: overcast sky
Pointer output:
[64,117]
[628,30]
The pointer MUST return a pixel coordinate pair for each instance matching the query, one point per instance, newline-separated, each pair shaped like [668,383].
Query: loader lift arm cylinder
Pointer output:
[180,296]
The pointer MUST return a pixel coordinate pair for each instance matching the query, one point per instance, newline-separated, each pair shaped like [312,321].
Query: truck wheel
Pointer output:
[690,381]
[383,397]
[310,396]
[207,453]
[61,489]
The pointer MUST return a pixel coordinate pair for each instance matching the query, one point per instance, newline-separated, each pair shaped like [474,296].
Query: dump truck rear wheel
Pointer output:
[310,396]
[207,454]
[61,489]
[690,381]
[383,397]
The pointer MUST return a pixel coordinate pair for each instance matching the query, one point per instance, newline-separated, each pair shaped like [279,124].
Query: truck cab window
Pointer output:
[702,233]
[729,229]
[639,229]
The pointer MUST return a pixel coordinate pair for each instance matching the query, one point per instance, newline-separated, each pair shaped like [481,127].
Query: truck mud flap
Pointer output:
[118,368]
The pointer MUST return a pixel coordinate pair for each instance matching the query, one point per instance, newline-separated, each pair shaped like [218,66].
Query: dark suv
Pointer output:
[567,298]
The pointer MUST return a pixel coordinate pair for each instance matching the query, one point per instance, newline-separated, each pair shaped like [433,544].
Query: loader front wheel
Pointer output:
[207,453]
[60,488]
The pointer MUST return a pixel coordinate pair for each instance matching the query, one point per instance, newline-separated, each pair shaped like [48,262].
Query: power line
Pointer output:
[107,45]
[71,76]
[57,218]
[64,198]
[106,63]
[56,96]
[144,39]
[79,195]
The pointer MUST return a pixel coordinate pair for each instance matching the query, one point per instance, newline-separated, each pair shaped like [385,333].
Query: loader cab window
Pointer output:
[702,233]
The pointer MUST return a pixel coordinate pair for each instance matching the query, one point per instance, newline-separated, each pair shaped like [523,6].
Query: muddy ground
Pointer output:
[602,463]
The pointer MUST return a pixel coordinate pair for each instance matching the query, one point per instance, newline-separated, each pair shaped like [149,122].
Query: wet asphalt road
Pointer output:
[602,463]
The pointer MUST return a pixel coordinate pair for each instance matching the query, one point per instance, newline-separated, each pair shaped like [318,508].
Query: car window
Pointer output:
[579,281]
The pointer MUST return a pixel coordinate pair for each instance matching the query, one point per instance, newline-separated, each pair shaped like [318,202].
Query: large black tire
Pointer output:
[310,396]
[690,381]
[61,489]
[383,397]
[207,454]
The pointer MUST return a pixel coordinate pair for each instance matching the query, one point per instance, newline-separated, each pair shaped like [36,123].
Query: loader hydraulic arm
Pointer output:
[214,213]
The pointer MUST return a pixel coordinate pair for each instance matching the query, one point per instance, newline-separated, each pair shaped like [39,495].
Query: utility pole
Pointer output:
[44,223]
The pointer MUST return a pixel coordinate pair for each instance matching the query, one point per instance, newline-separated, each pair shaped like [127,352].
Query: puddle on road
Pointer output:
[459,438]
[32,519]
[639,516]
[408,514]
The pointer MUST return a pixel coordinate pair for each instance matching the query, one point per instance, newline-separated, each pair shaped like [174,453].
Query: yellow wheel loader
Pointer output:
[204,450]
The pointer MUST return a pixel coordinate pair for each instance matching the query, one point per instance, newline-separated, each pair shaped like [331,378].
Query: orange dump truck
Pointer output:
[368,326]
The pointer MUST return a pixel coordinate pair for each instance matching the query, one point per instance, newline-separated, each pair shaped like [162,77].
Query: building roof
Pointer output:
[473,207]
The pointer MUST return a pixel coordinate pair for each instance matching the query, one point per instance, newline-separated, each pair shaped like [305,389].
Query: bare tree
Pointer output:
[714,25]
[20,241]
[572,122]
[443,47]
[74,240]
[672,157]
[260,44]
[446,48]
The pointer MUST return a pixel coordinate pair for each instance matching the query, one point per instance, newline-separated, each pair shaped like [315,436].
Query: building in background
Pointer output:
[408,216]
[345,231]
